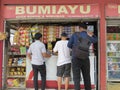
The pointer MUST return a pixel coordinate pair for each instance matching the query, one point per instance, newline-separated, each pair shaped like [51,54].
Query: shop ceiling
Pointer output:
[48,20]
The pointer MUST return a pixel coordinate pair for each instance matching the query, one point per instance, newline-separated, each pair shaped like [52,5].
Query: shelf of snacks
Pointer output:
[16,77]
[16,67]
[113,36]
[113,53]
[16,83]
[21,39]
[113,59]
[19,61]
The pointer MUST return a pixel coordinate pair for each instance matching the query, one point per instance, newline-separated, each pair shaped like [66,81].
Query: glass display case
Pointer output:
[113,53]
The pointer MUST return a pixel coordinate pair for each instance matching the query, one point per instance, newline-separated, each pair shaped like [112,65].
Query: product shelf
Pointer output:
[115,70]
[16,66]
[113,54]
[16,76]
[16,87]
[113,80]
[113,41]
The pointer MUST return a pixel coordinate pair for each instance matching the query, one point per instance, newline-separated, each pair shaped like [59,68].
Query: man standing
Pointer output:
[80,65]
[36,54]
[64,61]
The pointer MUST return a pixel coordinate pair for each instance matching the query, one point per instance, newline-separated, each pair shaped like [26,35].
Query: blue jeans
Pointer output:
[83,66]
[42,70]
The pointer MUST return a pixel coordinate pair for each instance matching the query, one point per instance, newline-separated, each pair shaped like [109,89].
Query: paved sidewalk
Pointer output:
[34,89]
[48,89]
[40,89]
[54,89]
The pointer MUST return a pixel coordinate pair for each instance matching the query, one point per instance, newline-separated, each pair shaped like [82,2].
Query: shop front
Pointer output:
[23,21]
[113,46]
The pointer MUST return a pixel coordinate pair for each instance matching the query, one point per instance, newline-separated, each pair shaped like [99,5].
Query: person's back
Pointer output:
[36,54]
[63,52]
[80,62]
[64,61]
[36,50]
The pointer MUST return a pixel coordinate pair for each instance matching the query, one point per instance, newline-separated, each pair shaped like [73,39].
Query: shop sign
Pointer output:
[48,11]
[112,10]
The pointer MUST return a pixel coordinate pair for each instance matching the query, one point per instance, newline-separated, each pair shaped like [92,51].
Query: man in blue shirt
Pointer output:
[80,65]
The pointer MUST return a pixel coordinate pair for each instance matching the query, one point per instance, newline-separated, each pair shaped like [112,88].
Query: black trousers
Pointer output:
[83,66]
[42,70]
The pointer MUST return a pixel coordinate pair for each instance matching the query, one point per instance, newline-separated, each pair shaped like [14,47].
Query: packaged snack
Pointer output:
[16,82]
[23,50]
[10,82]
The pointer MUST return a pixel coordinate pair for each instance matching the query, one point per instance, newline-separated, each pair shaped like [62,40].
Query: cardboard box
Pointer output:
[113,86]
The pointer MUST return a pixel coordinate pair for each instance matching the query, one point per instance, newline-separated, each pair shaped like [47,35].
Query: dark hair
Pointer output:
[64,34]
[38,36]
[83,25]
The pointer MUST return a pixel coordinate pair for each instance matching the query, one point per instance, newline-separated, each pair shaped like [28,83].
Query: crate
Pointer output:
[113,86]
